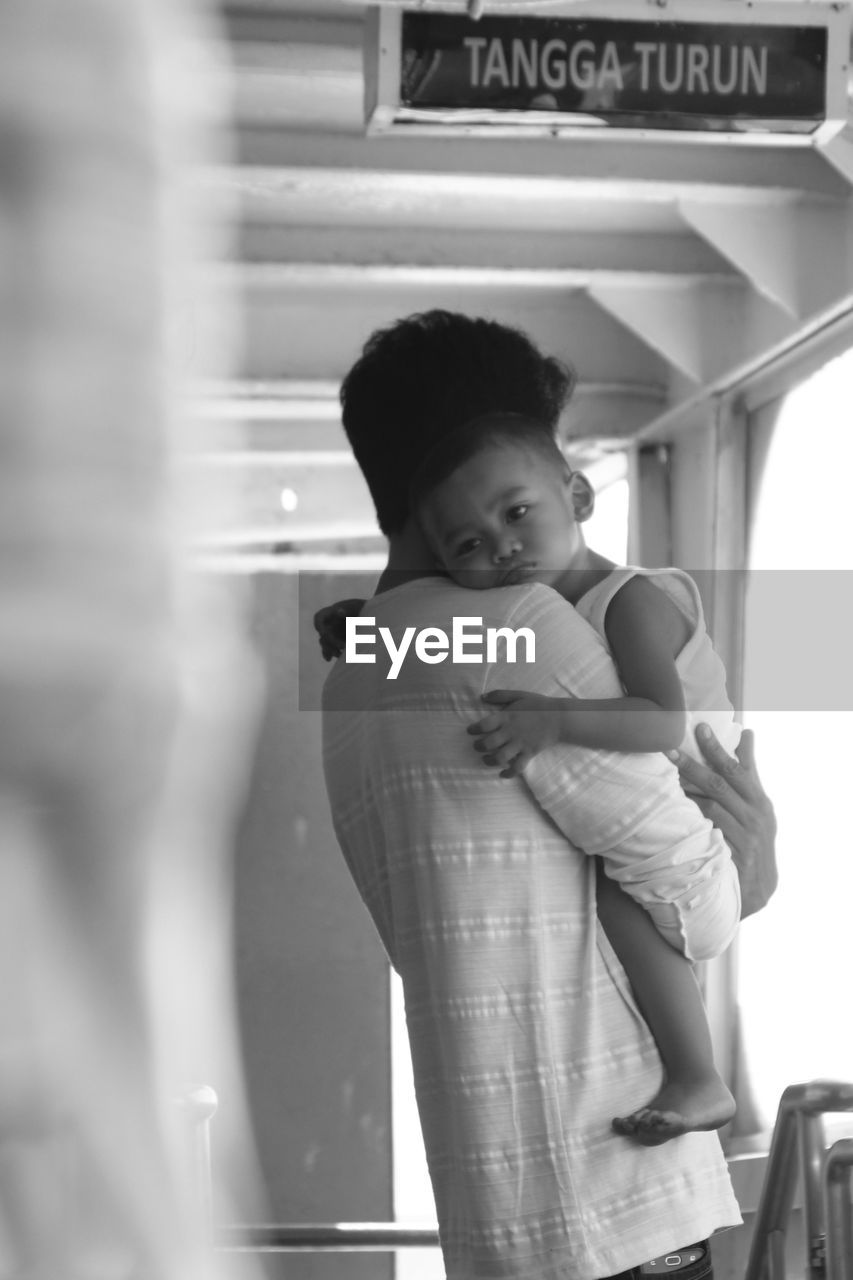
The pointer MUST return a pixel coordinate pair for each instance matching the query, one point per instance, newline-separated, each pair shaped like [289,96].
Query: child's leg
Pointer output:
[693,1096]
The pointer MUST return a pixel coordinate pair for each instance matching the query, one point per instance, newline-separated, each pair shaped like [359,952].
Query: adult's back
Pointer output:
[525,1037]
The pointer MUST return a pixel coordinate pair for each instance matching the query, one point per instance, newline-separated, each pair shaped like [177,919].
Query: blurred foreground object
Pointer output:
[126,695]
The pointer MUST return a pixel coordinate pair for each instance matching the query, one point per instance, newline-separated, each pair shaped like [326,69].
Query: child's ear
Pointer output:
[582,495]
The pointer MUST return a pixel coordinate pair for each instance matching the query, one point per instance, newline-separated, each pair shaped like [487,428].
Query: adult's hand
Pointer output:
[728,790]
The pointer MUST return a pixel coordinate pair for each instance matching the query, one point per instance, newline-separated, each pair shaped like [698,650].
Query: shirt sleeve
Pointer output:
[627,808]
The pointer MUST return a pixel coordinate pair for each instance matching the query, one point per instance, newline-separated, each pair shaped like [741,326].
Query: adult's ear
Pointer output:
[582,495]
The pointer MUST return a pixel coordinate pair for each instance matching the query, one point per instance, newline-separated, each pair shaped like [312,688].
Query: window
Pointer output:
[794,959]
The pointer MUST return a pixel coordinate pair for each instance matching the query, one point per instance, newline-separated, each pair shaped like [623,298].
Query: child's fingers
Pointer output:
[517,766]
[492,742]
[500,697]
[502,757]
[487,725]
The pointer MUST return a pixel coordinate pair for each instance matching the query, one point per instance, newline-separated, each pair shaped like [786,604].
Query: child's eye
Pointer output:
[518,512]
[466,548]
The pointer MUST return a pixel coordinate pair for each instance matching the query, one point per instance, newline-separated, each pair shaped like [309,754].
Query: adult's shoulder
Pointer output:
[526,599]
[536,600]
[554,621]
[426,587]
[565,656]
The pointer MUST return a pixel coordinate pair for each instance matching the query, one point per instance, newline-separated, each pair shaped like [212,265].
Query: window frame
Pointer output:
[714,464]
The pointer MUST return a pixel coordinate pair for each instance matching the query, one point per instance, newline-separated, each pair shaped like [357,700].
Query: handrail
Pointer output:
[340,1237]
[199,1104]
[798,1127]
[799,1130]
[838,1176]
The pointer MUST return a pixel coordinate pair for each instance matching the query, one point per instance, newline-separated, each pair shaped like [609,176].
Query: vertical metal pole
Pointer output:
[776,1255]
[812,1145]
[800,1109]
[649,511]
[838,1171]
[200,1104]
[777,1196]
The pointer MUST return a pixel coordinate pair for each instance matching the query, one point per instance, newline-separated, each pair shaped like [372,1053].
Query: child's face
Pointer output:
[505,516]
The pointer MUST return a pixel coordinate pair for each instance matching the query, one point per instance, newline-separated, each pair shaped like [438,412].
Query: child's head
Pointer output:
[499,504]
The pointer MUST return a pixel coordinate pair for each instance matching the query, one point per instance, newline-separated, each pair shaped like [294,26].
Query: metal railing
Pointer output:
[827,1178]
[339,1237]
[838,1184]
[199,1105]
[826,1186]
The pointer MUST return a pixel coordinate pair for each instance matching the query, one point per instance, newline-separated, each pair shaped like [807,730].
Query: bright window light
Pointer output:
[794,958]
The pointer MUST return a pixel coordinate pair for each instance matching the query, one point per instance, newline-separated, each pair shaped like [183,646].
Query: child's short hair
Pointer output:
[422,378]
[489,429]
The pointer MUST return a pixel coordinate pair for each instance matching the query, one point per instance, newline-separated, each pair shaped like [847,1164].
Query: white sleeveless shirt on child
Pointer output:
[702,674]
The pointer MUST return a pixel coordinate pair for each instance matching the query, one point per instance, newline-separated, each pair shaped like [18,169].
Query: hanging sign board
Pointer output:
[737,68]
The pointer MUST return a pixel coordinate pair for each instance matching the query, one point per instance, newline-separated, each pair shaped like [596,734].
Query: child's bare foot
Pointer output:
[680,1107]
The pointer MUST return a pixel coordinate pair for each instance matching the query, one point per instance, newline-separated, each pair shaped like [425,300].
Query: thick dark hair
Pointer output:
[426,376]
[490,429]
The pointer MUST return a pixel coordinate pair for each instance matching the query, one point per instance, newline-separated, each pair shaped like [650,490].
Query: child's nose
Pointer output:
[506,547]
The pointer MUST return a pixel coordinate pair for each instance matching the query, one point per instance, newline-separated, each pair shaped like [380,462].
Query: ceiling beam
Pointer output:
[796,253]
[250,560]
[281,277]
[317,193]
[609,411]
[831,331]
[272,400]
[274,417]
[838,151]
[666,251]
[758,239]
[602,166]
[698,329]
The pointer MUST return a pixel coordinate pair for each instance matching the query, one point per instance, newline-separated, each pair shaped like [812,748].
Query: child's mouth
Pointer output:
[518,573]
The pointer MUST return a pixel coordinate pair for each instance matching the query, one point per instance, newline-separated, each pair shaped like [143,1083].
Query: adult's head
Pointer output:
[427,375]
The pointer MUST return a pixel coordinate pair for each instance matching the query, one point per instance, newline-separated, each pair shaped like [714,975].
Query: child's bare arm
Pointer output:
[523,724]
[645,632]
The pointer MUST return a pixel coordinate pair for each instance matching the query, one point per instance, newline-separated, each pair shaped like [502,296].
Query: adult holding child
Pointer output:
[526,1040]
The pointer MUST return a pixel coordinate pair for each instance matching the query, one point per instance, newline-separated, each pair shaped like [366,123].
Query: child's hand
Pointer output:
[524,725]
[330,625]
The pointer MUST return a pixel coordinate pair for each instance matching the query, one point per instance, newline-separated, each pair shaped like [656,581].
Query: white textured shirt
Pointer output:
[525,1036]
